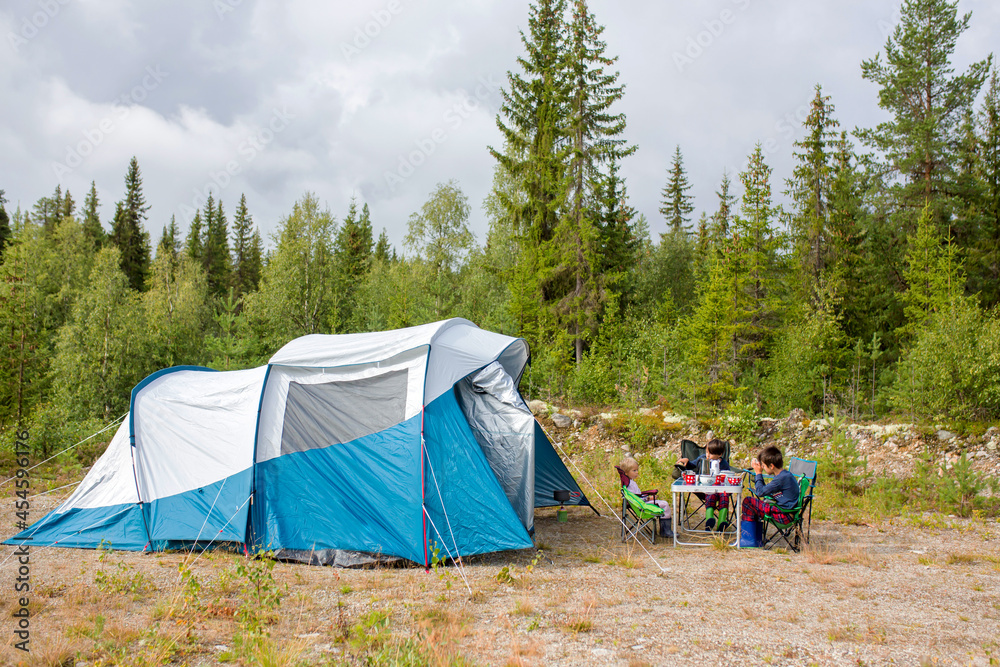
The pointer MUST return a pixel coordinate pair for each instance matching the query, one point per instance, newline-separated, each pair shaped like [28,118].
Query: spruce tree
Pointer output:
[246,258]
[708,333]
[723,217]
[756,265]
[47,211]
[383,249]
[986,253]
[809,188]
[215,257]
[67,207]
[169,245]
[618,244]
[194,245]
[676,203]
[595,140]
[127,233]
[5,232]
[927,103]
[91,220]
[934,273]
[353,253]
[530,120]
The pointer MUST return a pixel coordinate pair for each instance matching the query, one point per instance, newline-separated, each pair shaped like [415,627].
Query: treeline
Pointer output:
[875,290]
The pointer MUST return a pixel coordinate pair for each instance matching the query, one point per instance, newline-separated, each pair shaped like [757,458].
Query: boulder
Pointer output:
[795,417]
[561,420]
[944,435]
[538,407]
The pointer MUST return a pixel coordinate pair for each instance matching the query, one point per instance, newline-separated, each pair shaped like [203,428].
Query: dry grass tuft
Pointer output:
[523,606]
[54,652]
[962,559]
[819,554]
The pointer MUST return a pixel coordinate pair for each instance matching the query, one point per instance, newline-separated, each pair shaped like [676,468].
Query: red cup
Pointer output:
[690,478]
[720,479]
[734,479]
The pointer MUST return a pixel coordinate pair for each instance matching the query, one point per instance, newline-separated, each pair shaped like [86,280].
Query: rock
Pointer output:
[673,419]
[608,416]
[991,445]
[646,411]
[561,420]
[795,417]
[710,435]
[575,414]
[624,448]
[944,435]
[538,407]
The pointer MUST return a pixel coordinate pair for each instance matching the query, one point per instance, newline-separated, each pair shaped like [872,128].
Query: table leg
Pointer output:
[673,517]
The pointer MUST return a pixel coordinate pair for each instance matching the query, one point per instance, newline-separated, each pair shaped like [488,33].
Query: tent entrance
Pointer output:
[505,430]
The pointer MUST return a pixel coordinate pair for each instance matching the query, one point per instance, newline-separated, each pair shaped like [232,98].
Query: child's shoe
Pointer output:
[709,524]
[723,527]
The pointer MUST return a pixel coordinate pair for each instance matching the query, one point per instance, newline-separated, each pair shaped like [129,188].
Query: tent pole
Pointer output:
[423,487]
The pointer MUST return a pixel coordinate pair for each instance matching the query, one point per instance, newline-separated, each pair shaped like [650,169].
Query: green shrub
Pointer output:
[953,367]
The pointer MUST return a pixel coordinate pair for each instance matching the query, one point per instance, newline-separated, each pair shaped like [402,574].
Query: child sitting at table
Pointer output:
[630,467]
[784,488]
[716,504]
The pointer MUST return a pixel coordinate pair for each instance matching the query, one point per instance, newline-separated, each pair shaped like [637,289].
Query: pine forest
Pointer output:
[867,283]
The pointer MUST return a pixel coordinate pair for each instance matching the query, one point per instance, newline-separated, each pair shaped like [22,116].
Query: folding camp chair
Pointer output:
[691,514]
[638,517]
[791,532]
[797,467]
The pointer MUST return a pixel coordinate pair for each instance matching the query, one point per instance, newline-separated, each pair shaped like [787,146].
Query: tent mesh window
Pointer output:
[330,413]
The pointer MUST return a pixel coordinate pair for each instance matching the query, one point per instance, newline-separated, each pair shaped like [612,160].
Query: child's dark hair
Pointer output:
[772,456]
[716,447]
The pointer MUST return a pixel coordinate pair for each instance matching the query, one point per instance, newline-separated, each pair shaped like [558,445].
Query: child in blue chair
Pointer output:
[629,467]
[784,488]
[716,504]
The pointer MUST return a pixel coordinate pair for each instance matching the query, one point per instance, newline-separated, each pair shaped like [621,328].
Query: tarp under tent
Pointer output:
[342,449]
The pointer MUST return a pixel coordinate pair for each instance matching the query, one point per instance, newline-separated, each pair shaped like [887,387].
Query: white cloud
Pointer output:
[347,116]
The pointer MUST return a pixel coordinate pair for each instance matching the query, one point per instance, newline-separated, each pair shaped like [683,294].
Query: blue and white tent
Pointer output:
[389,444]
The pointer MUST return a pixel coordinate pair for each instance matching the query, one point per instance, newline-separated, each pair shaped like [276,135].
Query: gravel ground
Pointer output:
[916,591]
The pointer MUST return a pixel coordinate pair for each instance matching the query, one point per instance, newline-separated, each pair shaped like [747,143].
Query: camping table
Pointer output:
[735,496]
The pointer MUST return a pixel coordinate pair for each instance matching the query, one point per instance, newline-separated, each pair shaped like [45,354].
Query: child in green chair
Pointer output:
[784,488]
[630,467]
[716,504]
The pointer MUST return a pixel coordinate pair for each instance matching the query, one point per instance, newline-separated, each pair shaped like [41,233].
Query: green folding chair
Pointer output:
[797,467]
[638,517]
[790,532]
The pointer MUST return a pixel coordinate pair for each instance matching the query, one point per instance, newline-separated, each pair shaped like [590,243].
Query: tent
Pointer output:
[343,448]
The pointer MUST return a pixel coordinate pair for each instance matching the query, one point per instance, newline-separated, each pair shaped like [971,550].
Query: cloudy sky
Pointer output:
[383,99]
